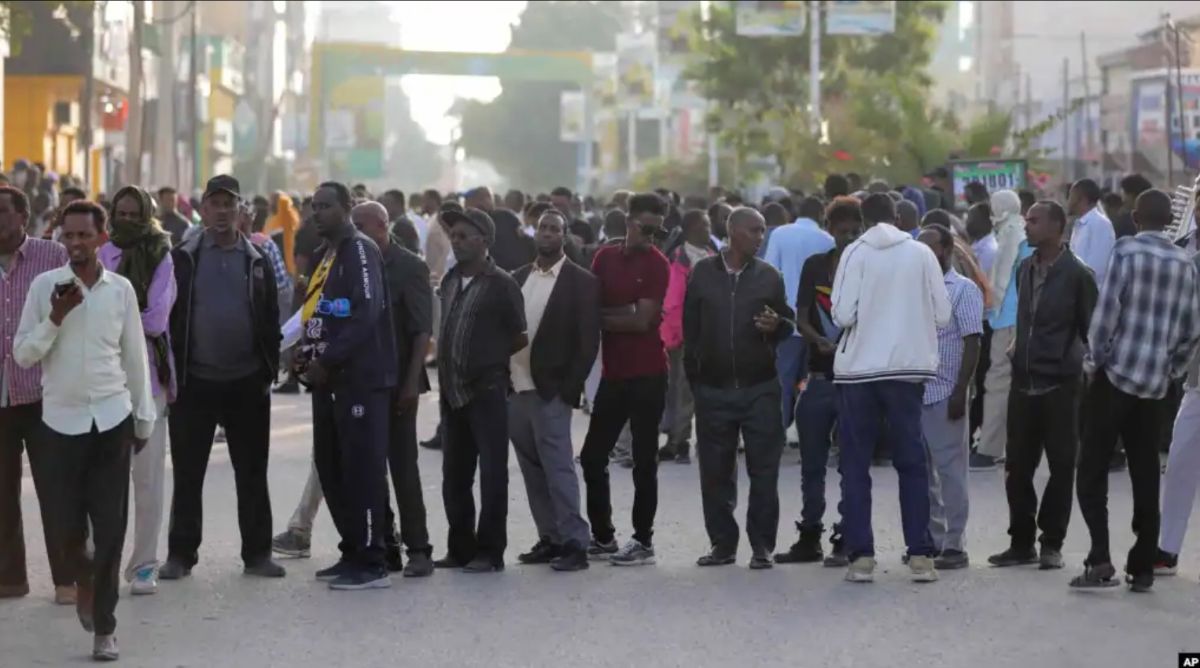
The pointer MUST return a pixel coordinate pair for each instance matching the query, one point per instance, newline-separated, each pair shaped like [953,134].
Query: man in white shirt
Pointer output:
[83,324]
[1092,235]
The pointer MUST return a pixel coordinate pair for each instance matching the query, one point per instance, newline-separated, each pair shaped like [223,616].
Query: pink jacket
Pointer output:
[671,329]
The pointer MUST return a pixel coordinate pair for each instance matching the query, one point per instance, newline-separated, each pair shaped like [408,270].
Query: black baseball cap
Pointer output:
[222,183]
[474,217]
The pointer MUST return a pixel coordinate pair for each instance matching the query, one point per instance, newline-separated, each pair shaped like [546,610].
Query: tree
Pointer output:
[16,19]
[518,131]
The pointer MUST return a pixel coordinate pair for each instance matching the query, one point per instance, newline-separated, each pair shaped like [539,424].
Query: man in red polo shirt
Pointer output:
[633,282]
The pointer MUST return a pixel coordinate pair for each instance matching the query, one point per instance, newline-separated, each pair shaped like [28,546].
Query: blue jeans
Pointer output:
[791,361]
[899,402]
[816,416]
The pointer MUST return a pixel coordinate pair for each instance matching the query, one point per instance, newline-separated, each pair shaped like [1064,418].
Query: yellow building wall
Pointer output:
[29,129]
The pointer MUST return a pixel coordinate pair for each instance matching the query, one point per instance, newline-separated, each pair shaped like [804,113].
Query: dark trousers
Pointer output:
[638,401]
[816,416]
[724,413]
[406,478]
[20,429]
[91,486]
[859,406]
[975,412]
[791,364]
[243,408]
[476,433]
[350,442]
[1036,424]
[1113,413]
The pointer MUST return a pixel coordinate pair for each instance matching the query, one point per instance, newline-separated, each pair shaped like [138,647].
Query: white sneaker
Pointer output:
[922,569]
[145,582]
[861,569]
[633,554]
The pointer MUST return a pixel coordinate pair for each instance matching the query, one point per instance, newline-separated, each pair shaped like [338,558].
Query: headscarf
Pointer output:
[287,220]
[143,246]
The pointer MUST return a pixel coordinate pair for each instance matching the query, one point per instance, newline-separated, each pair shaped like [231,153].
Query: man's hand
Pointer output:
[316,374]
[406,401]
[62,304]
[825,346]
[957,406]
[767,321]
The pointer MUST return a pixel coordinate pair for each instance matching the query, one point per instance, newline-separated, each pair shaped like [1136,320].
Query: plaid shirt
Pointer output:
[1147,322]
[33,257]
[966,308]
[283,280]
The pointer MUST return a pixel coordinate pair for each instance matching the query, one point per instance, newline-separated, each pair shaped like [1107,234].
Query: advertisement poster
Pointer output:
[771,19]
[637,62]
[570,116]
[860,17]
[995,174]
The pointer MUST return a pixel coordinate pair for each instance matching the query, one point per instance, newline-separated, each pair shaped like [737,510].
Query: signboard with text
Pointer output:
[995,174]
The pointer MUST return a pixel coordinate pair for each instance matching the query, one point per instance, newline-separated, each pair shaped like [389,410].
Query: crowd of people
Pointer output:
[876,320]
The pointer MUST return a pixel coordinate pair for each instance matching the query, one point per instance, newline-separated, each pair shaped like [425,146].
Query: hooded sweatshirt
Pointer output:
[1010,233]
[889,297]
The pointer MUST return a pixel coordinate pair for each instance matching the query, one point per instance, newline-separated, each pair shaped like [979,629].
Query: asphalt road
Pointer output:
[672,614]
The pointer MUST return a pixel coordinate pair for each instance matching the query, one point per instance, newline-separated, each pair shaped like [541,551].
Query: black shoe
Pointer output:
[483,565]
[950,560]
[1014,557]
[981,462]
[434,443]
[419,566]
[334,572]
[393,558]
[1101,576]
[173,570]
[683,457]
[1050,559]
[448,562]
[761,561]
[1140,583]
[571,558]
[837,557]
[807,550]
[666,453]
[358,579]
[1165,563]
[715,558]
[1118,462]
[290,387]
[264,568]
[543,552]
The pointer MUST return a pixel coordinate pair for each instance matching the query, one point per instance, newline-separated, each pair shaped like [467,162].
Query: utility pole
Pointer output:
[1087,95]
[814,67]
[1028,101]
[165,163]
[1066,117]
[89,92]
[1179,99]
[133,129]
[193,136]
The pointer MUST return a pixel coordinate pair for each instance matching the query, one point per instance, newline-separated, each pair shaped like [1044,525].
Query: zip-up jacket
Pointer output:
[1051,340]
[352,325]
[721,345]
[264,306]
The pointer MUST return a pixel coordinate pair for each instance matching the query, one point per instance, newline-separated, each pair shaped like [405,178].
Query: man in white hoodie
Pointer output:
[889,298]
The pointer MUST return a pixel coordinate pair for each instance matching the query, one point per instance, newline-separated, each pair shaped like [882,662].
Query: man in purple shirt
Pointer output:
[139,250]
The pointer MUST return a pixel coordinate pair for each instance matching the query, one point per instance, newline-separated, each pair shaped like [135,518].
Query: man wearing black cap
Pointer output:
[483,324]
[225,338]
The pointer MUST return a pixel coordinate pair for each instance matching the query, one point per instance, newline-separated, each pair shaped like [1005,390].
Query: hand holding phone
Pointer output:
[65,298]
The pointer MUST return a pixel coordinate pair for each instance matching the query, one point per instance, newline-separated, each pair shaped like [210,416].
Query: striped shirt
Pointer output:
[1147,321]
[34,256]
[966,308]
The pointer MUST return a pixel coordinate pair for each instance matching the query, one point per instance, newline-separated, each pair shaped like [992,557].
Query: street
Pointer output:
[666,615]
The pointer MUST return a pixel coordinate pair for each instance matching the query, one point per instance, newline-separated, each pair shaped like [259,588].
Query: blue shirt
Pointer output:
[790,247]
[985,252]
[1006,315]
[966,309]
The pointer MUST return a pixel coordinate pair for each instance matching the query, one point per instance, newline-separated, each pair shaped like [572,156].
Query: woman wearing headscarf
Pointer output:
[140,250]
[286,219]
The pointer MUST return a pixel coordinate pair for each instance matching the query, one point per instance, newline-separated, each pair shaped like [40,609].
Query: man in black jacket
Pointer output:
[562,311]
[1056,294]
[347,355]
[734,315]
[225,339]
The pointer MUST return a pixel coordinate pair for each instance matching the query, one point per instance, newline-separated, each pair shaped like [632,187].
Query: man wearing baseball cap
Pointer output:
[483,324]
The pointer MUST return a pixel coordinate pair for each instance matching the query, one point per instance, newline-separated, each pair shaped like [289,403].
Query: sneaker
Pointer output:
[333,572]
[290,387]
[419,566]
[264,568]
[1141,583]
[602,551]
[145,582]
[571,558]
[861,569]
[761,560]
[393,559]
[434,443]
[807,550]
[173,570]
[1101,576]
[922,568]
[482,564]
[357,579]
[65,595]
[633,554]
[666,453]
[715,558]
[837,554]
[104,648]
[683,457]
[950,560]
[981,462]
[543,552]
[1014,557]
[292,543]
[1166,563]
[1050,559]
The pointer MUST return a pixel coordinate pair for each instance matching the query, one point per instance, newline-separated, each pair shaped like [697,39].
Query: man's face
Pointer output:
[642,229]
[934,241]
[700,231]
[12,224]
[562,203]
[481,198]
[64,200]
[1076,206]
[1039,229]
[394,206]
[844,232]
[550,234]
[429,204]
[80,237]
[371,225]
[166,202]
[219,211]
[330,213]
[746,235]
[467,242]
[127,210]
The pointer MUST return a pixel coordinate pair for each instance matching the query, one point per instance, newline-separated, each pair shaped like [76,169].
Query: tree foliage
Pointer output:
[518,132]
[16,20]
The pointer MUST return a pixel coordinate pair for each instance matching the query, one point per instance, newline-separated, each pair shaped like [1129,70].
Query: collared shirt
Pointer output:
[283,279]
[791,246]
[156,318]
[966,308]
[223,343]
[34,256]
[1092,239]
[1146,323]
[536,292]
[985,252]
[94,365]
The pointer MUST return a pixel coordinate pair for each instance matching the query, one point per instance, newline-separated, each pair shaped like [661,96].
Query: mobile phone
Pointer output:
[63,288]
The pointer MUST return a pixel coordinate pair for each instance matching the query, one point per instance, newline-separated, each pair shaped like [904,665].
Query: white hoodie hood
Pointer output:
[889,296]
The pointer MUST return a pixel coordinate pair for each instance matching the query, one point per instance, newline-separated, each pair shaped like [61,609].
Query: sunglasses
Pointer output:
[655,232]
